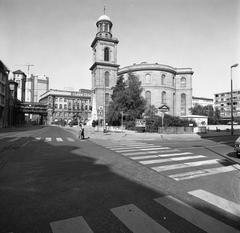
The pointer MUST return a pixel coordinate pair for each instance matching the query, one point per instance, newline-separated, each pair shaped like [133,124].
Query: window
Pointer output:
[163,79]
[148,78]
[183,82]
[183,104]
[106,54]
[164,97]
[65,106]
[106,79]
[148,98]
[60,106]
[107,99]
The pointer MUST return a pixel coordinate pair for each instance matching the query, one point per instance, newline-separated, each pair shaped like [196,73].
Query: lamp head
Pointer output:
[235,65]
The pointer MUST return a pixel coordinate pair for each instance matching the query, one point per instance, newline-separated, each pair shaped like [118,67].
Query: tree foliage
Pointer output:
[213,114]
[126,98]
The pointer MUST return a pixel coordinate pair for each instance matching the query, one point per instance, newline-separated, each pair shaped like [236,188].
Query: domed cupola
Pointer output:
[104,25]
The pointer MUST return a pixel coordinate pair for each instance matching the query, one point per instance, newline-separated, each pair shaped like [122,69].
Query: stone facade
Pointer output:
[65,105]
[162,84]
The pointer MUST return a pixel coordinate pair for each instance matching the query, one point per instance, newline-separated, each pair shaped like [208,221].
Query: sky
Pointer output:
[55,36]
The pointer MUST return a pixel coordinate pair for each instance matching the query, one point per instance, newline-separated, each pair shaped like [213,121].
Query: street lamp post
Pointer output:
[233,66]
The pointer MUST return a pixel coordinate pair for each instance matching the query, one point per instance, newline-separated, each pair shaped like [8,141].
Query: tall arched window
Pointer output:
[183,104]
[148,98]
[106,54]
[107,99]
[163,79]
[164,101]
[106,79]
[183,82]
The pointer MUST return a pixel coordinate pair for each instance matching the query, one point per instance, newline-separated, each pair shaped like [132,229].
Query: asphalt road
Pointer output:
[50,181]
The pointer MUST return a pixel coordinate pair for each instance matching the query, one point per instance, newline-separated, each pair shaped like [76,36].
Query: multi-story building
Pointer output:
[67,105]
[162,84]
[36,85]
[201,101]
[223,102]
[3,95]
[20,78]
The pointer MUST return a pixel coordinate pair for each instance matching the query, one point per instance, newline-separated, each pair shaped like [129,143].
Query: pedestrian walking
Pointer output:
[82,132]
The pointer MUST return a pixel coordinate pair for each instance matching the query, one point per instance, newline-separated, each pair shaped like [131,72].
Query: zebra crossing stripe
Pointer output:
[128,146]
[38,138]
[145,162]
[71,225]
[48,139]
[150,156]
[136,220]
[13,139]
[144,152]
[217,201]
[203,172]
[59,139]
[133,147]
[70,139]
[185,165]
[138,149]
[194,216]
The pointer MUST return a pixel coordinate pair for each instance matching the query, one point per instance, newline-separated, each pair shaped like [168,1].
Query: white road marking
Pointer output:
[136,220]
[48,139]
[194,216]
[127,146]
[157,148]
[59,139]
[203,172]
[13,139]
[70,139]
[162,155]
[185,165]
[150,156]
[217,201]
[144,152]
[38,138]
[138,149]
[171,159]
[133,147]
[71,225]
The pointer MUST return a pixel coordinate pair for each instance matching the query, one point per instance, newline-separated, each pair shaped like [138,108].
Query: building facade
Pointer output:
[162,84]
[4,108]
[20,77]
[223,102]
[104,68]
[36,85]
[67,105]
[202,101]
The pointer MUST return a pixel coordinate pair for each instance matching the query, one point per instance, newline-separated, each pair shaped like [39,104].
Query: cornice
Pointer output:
[114,40]
[103,64]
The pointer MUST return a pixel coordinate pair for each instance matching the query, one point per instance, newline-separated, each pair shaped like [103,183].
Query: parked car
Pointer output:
[237,146]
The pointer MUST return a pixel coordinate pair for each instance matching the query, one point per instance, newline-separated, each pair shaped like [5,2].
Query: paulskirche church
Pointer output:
[162,85]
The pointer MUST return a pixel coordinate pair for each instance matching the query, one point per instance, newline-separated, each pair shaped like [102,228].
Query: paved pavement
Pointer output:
[52,182]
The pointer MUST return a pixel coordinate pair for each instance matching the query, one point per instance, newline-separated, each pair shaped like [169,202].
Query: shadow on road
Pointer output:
[42,183]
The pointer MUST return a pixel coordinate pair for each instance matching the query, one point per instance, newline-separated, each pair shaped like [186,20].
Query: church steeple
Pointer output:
[104,25]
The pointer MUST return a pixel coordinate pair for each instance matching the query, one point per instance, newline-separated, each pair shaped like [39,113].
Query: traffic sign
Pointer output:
[164,108]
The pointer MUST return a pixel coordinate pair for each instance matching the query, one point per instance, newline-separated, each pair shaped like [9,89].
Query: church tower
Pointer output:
[104,68]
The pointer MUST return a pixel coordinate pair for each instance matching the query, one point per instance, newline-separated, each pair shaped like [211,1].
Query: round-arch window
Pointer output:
[183,82]
[106,54]
[164,95]
[148,97]
[147,78]
[163,79]
[107,79]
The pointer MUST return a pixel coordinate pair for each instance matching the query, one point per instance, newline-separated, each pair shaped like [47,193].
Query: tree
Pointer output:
[213,114]
[126,98]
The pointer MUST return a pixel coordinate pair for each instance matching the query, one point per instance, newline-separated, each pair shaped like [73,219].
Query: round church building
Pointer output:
[164,85]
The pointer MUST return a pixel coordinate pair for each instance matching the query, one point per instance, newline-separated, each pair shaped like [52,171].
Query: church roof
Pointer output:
[104,17]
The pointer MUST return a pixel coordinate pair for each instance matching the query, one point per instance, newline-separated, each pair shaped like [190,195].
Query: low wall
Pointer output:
[175,130]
